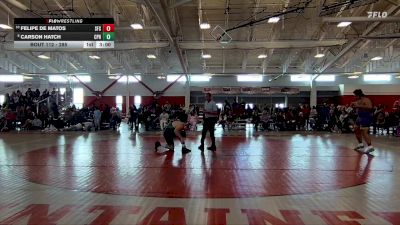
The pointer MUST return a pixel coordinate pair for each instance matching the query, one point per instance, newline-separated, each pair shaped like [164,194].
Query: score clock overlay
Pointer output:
[69,33]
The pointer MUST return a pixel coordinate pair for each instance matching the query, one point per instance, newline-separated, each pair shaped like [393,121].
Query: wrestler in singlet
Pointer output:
[364,119]
[175,129]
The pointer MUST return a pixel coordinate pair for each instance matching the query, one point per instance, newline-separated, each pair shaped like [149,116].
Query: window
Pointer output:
[57,79]
[137,100]
[249,78]
[85,79]
[62,90]
[12,78]
[300,78]
[119,101]
[326,78]
[2,99]
[251,105]
[131,79]
[220,105]
[199,78]
[64,79]
[78,98]
[377,77]
[172,78]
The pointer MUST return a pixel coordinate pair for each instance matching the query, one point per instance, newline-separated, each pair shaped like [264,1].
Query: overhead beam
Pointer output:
[167,31]
[250,45]
[6,8]
[18,4]
[156,28]
[179,3]
[359,19]
[199,45]
[226,26]
[250,35]
[118,46]
[368,30]
[263,44]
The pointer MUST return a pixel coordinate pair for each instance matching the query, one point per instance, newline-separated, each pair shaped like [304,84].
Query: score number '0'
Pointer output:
[106,28]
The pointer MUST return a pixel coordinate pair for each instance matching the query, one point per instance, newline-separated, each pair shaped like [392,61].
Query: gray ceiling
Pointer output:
[171,31]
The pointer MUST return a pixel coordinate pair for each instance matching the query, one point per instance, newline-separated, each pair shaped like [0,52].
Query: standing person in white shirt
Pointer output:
[164,119]
[210,118]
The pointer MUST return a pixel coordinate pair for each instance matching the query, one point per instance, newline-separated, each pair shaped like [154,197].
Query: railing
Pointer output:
[47,100]
[10,89]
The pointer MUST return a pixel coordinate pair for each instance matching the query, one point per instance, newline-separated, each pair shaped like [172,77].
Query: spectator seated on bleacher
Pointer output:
[266,120]
[36,123]
[4,125]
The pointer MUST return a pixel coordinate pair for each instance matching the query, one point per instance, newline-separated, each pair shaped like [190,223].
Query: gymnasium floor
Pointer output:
[254,178]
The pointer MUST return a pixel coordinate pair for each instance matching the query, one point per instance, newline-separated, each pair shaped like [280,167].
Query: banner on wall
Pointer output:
[251,90]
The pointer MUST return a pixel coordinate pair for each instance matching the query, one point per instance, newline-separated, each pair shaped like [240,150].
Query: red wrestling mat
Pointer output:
[241,167]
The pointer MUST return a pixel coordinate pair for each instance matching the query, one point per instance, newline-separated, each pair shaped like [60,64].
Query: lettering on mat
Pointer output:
[44,214]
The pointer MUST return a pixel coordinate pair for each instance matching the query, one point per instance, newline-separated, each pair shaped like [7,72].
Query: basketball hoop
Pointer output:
[220,35]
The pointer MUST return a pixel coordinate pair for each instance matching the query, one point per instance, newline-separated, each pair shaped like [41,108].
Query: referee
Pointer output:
[210,118]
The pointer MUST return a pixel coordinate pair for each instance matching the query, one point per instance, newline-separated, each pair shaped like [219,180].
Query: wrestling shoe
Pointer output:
[170,147]
[369,149]
[185,150]
[212,148]
[156,146]
[359,148]
[201,147]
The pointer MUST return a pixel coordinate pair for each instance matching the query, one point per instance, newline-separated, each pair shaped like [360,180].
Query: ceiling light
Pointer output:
[262,56]
[28,77]
[398,77]
[151,56]
[43,57]
[161,77]
[343,24]
[319,55]
[273,20]
[377,58]
[205,26]
[112,77]
[94,57]
[137,26]
[353,77]
[5,27]
[206,56]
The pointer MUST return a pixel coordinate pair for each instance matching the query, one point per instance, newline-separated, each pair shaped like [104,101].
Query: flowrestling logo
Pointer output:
[377,14]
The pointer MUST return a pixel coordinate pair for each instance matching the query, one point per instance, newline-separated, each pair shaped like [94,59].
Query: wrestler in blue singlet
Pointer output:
[364,118]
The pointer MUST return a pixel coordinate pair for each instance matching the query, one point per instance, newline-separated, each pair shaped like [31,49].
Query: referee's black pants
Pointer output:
[208,125]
